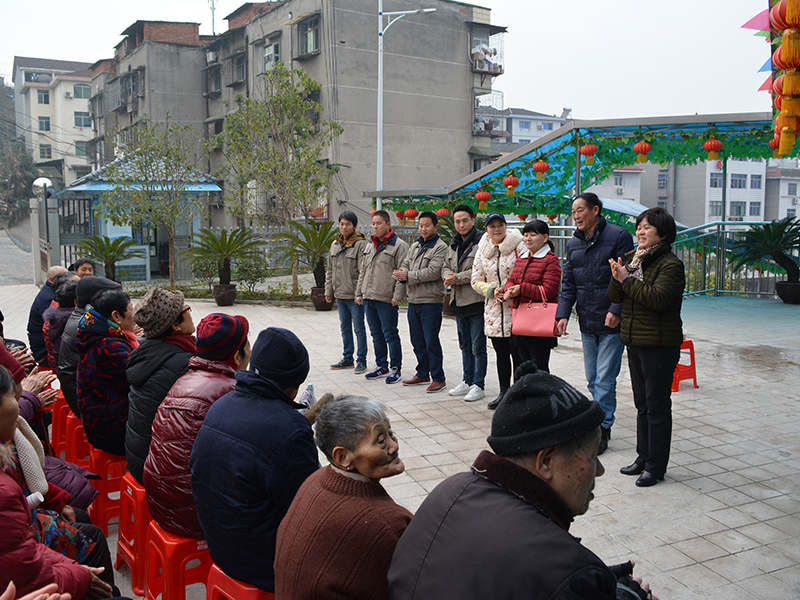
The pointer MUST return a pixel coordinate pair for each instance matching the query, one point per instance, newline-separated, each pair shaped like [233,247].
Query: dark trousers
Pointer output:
[506,352]
[424,325]
[100,556]
[536,349]
[651,370]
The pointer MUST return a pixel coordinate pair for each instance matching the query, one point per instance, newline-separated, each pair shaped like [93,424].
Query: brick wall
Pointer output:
[174,33]
[248,12]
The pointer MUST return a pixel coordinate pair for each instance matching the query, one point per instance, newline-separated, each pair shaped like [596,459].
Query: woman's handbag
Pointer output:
[535,319]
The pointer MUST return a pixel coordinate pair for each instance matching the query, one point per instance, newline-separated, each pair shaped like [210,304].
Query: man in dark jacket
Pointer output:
[252,454]
[585,281]
[35,319]
[502,530]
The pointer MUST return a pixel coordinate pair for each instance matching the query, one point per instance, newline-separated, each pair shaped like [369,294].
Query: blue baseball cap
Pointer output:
[495,215]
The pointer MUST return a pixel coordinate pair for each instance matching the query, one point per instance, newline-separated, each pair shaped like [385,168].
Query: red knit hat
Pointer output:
[220,336]
[12,364]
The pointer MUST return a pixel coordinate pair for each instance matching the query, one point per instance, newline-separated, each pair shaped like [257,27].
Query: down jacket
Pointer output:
[30,564]
[492,267]
[587,275]
[55,319]
[152,370]
[530,272]
[651,311]
[68,361]
[167,476]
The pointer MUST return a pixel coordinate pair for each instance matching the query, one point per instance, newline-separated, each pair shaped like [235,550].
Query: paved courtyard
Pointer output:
[725,523]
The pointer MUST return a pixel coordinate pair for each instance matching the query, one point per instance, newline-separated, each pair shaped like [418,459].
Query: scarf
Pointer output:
[31,457]
[183,341]
[357,236]
[378,242]
[634,268]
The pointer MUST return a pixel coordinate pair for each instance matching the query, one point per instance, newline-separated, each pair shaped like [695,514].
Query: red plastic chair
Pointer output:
[167,556]
[58,434]
[685,371]
[110,468]
[77,447]
[134,518]
[222,587]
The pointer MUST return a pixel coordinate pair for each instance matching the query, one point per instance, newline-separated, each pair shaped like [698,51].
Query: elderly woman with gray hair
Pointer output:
[339,535]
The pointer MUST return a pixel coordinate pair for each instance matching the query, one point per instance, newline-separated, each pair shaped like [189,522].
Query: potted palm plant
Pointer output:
[109,252]
[222,247]
[309,244]
[776,240]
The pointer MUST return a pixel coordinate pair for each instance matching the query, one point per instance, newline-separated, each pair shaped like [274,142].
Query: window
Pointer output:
[524,124]
[716,181]
[81,90]
[215,80]
[755,160]
[82,119]
[547,126]
[755,209]
[44,125]
[239,68]
[715,208]
[81,148]
[268,54]
[662,181]
[738,181]
[45,151]
[619,181]
[662,204]
[44,96]
[524,141]
[309,35]
[791,212]
[755,182]
[792,186]
[738,209]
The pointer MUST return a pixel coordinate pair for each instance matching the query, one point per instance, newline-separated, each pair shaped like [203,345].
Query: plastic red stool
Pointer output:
[77,447]
[110,468]
[167,556]
[58,434]
[134,517]
[685,371]
[220,587]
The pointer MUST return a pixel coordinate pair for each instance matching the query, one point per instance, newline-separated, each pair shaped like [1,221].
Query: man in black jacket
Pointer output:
[502,530]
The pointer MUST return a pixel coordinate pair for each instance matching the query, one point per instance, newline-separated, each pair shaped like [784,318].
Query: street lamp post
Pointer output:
[381,31]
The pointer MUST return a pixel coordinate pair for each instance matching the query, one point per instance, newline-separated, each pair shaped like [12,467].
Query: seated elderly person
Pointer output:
[338,537]
[502,530]
[65,287]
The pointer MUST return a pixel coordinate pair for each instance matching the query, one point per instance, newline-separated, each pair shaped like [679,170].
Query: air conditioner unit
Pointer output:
[795,201]
[539,126]
[67,94]
[620,191]
[211,57]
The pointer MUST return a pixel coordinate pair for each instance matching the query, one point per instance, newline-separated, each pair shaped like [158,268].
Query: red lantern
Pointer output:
[541,167]
[774,143]
[589,150]
[372,212]
[411,213]
[483,197]
[510,182]
[778,102]
[444,212]
[522,217]
[400,214]
[641,149]
[785,15]
[713,146]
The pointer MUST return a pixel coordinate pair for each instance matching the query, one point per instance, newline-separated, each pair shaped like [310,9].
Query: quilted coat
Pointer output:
[167,476]
[55,319]
[530,272]
[492,267]
[68,360]
[102,385]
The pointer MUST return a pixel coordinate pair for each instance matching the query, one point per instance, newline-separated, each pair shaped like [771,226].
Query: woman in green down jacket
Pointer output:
[650,286]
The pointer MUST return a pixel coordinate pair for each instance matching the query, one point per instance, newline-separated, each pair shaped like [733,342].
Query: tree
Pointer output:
[150,184]
[222,248]
[17,172]
[309,245]
[776,240]
[110,252]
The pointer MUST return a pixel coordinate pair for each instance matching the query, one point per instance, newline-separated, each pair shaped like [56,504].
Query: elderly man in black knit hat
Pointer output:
[252,454]
[502,530]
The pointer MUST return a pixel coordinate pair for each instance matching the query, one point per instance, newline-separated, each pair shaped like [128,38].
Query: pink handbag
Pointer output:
[535,319]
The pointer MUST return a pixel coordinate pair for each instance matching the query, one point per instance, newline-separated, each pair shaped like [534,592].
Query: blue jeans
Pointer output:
[382,321]
[424,325]
[351,318]
[472,342]
[602,359]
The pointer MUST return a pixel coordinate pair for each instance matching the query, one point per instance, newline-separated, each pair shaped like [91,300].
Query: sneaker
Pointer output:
[361,367]
[475,393]
[393,376]
[461,389]
[342,364]
[377,373]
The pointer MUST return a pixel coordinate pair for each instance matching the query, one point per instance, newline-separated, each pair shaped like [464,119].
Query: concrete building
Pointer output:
[781,195]
[624,183]
[517,125]
[51,101]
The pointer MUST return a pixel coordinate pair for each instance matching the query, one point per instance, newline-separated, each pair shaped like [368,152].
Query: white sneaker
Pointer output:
[475,393]
[461,389]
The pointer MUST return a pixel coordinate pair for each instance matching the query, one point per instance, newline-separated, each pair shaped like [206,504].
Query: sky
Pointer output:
[602,58]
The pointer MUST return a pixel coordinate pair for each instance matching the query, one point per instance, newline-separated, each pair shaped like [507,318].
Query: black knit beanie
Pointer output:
[541,411]
[280,356]
[89,287]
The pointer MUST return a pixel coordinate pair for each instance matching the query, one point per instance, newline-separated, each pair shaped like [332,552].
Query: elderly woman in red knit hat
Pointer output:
[339,535]
[222,348]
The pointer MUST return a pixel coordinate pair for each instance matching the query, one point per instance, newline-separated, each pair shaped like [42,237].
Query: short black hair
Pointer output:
[663,222]
[429,214]
[80,262]
[62,278]
[538,226]
[383,215]
[66,293]
[591,199]
[108,301]
[7,383]
[464,208]
[349,215]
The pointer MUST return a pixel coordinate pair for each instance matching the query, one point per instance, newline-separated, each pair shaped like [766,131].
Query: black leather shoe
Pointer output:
[633,469]
[496,402]
[605,435]
[647,479]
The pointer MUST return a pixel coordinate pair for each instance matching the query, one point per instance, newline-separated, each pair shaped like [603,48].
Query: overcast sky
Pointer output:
[602,58]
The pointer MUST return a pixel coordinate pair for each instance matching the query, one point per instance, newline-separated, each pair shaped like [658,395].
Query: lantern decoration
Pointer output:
[411,213]
[589,150]
[641,148]
[522,217]
[541,167]
[372,212]
[510,182]
[552,218]
[774,143]
[713,146]
[444,212]
[483,198]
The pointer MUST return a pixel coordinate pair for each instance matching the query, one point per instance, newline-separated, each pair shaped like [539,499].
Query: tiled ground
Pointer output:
[726,521]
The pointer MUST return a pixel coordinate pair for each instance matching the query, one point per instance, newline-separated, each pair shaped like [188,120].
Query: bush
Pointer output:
[205,270]
[251,271]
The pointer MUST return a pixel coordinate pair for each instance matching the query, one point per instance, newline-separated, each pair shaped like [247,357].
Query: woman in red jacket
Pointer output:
[539,268]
